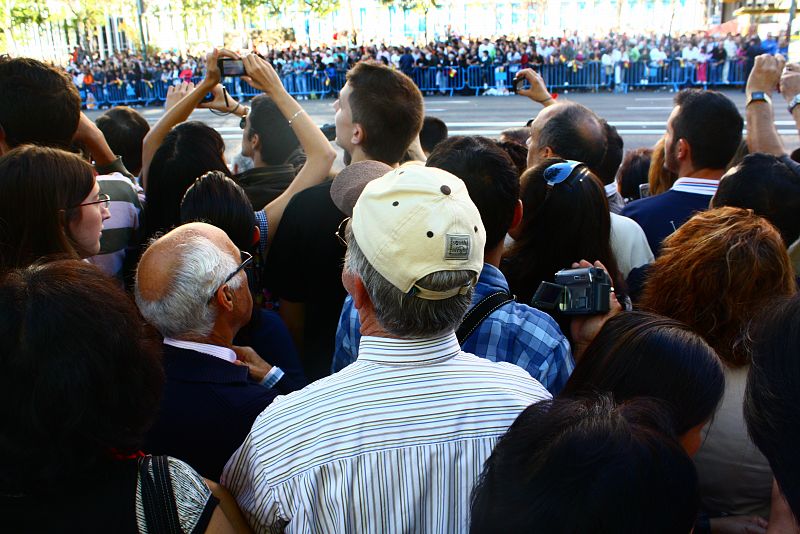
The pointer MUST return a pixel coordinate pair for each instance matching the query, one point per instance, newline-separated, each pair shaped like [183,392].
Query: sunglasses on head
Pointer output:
[560,172]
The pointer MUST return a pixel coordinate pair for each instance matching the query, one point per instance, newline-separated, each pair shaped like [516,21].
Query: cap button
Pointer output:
[445,189]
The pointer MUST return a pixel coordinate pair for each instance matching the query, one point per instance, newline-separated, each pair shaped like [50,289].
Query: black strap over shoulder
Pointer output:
[478,313]
[158,499]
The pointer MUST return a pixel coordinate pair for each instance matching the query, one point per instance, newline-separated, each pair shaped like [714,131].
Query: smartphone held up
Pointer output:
[231,67]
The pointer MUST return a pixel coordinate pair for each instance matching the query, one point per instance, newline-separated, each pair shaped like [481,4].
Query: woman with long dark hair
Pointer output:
[565,219]
[80,384]
[640,354]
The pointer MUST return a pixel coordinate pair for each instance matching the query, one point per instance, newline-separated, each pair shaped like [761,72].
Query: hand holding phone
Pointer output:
[261,75]
[538,89]
[213,70]
[518,85]
[229,67]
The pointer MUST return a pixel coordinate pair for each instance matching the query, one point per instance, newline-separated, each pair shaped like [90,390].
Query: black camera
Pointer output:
[230,67]
[329,131]
[582,291]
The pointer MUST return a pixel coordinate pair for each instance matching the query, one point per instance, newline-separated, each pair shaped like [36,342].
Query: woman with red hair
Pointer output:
[716,273]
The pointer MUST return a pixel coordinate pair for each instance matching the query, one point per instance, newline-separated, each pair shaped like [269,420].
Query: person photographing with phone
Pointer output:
[175,152]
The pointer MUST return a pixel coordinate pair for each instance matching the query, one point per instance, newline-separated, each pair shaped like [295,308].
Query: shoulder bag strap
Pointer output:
[478,313]
[158,499]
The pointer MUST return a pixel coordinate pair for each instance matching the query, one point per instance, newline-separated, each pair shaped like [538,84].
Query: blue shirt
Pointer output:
[770,46]
[514,333]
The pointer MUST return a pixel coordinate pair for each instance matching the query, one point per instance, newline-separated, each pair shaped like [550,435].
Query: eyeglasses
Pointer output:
[248,258]
[341,232]
[560,172]
[104,200]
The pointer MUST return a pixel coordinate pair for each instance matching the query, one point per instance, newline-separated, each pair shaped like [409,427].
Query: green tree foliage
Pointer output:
[321,7]
[422,6]
[27,12]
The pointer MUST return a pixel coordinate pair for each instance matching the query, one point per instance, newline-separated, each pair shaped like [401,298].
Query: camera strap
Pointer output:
[478,313]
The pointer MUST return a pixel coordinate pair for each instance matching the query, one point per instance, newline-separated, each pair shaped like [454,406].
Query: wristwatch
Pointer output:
[758,96]
[794,102]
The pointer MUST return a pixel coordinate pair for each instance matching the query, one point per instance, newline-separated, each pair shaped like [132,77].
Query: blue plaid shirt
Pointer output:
[514,333]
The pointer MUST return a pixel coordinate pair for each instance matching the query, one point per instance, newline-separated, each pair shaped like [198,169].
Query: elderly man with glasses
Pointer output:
[190,285]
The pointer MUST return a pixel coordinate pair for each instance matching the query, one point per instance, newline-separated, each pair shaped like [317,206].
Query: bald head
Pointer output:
[179,275]
[570,131]
[159,262]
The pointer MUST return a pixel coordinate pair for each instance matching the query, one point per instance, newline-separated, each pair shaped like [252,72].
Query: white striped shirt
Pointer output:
[392,443]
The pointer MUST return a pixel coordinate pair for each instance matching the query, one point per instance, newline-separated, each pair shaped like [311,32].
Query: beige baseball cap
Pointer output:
[415,221]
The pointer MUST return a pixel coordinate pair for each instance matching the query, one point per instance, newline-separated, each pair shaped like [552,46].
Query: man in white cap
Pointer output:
[394,442]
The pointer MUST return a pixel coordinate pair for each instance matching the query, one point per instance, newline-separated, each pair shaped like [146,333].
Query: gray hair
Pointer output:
[184,311]
[403,314]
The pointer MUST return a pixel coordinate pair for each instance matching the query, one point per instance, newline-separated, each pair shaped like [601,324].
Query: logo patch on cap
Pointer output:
[457,247]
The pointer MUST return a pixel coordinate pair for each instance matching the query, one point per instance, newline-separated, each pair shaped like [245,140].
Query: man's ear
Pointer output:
[356,289]
[359,135]
[515,230]
[224,298]
[547,152]
[255,142]
[517,219]
[684,150]
[256,235]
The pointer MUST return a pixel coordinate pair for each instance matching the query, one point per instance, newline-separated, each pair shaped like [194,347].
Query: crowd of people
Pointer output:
[355,336]
[700,52]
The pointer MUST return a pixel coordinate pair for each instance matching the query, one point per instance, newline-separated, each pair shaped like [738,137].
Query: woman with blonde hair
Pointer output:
[659,178]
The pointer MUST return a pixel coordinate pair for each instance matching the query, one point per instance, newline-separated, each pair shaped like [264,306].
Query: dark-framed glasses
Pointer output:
[560,172]
[247,258]
[341,232]
[104,201]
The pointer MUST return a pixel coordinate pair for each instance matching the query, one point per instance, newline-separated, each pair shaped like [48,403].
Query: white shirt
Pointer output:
[730,48]
[223,353]
[629,244]
[657,55]
[394,442]
[698,186]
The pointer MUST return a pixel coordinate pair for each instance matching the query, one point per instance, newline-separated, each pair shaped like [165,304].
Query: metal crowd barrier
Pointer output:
[591,75]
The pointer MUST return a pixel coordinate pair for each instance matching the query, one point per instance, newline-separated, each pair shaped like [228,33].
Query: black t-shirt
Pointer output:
[305,265]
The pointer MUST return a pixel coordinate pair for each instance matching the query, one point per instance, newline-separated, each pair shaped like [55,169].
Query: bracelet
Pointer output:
[295,115]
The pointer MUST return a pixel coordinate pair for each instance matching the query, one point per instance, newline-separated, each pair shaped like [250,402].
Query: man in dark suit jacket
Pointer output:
[192,287]
[703,134]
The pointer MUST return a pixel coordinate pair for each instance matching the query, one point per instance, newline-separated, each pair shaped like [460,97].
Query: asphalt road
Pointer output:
[640,117]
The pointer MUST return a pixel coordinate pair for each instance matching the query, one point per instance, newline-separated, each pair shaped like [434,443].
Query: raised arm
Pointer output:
[762,136]
[790,89]
[319,152]
[538,89]
[181,110]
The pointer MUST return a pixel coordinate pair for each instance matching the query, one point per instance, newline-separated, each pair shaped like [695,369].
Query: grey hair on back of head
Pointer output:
[183,311]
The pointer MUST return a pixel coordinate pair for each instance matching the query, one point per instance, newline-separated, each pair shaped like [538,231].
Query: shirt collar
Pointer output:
[408,352]
[492,278]
[698,186]
[223,353]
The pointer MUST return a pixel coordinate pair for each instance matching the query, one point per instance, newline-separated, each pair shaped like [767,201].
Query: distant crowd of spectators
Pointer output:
[696,50]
